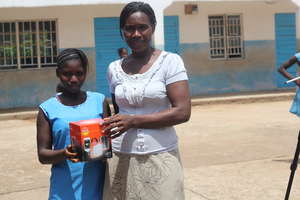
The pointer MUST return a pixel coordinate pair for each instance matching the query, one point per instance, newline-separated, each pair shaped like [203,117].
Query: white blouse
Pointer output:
[145,93]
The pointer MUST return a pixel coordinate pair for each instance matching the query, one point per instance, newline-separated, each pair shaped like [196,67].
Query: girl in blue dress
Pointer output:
[70,179]
[295,108]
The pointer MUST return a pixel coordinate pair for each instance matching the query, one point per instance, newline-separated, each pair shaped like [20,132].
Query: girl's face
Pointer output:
[138,31]
[72,75]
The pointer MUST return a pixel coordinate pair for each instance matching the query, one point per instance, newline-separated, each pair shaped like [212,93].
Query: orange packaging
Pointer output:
[89,141]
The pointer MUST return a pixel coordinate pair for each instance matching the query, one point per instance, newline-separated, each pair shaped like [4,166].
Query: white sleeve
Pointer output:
[175,69]
[110,78]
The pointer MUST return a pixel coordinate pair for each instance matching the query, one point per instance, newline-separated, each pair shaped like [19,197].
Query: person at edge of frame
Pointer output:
[295,107]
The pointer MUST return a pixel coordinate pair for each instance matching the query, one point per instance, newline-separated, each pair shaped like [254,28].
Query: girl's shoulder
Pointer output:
[95,94]
[49,102]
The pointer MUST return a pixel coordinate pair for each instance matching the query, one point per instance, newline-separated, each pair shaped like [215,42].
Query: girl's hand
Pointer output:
[70,154]
[118,124]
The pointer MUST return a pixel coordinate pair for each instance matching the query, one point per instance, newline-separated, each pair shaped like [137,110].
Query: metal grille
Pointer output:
[8,49]
[48,46]
[234,47]
[28,44]
[225,37]
[217,36]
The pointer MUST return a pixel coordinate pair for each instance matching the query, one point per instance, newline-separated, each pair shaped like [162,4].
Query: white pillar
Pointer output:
[297,3]
[158,7]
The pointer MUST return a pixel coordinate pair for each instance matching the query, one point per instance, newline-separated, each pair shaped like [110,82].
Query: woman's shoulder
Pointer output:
[115,63]
[169,59]
[171,56]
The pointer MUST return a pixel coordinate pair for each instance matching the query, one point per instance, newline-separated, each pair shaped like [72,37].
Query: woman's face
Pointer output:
[72,75]
[138,31]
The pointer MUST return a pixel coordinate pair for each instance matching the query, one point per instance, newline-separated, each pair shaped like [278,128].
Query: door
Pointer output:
[285,44]
[171,34]
[107,42]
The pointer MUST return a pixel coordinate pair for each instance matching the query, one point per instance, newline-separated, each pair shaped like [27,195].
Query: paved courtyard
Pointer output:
[229,152]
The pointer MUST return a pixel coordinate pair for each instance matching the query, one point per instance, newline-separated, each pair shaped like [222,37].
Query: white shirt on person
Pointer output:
[146,93]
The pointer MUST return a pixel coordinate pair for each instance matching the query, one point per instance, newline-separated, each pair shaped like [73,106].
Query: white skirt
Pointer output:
[144,177]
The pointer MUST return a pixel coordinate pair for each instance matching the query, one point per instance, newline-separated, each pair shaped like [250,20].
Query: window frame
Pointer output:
[225,17]
[20,66]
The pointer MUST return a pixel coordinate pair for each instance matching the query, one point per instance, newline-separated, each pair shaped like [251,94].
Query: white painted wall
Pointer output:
[258,18]
[75,23]
[76,28]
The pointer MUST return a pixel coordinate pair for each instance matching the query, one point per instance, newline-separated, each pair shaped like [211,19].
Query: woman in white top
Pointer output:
[150,92]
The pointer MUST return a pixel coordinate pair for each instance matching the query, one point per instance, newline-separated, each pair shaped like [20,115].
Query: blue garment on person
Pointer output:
[74,181]
[295,108]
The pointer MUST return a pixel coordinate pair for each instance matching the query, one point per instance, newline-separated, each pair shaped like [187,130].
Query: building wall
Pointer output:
[253,73]
[28,88]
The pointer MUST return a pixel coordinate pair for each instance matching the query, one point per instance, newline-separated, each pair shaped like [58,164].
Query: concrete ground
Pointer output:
[239,151]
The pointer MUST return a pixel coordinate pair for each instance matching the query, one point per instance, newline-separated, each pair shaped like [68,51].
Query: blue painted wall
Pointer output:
[30,87]
[285,40]
[255,72]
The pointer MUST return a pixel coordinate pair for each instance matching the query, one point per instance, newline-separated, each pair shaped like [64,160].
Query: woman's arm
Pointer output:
[180,112]
[46,154]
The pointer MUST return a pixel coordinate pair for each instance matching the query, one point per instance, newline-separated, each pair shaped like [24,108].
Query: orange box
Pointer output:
[89,141]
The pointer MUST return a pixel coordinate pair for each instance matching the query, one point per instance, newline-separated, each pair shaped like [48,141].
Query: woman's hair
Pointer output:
[133,7]
[70,54]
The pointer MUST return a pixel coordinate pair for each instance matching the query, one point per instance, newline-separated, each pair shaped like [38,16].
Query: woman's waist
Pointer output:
[145,140]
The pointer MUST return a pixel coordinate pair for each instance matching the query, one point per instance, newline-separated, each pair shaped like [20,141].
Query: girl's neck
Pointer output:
[72,99]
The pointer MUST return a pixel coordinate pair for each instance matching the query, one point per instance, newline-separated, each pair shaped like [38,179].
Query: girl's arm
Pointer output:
[46,154]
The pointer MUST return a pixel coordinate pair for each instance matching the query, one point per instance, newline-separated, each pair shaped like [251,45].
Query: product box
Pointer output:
[89,141]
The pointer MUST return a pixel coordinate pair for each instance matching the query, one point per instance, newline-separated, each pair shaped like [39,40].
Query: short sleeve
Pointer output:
[44,107]
[175,69]
[110,78]
[297,55]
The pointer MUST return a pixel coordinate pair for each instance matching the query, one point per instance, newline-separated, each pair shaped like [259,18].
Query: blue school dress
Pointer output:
[74,181]
[295,107]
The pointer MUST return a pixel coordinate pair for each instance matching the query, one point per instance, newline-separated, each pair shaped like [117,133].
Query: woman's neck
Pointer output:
[143,54]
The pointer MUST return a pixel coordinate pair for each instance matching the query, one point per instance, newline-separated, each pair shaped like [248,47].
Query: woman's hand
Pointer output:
[70,154]
[118,124]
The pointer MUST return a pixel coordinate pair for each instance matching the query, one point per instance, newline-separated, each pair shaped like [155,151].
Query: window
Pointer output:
[225,37]
[28,44]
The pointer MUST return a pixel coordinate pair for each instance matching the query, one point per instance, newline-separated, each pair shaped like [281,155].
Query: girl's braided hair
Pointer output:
[70,54]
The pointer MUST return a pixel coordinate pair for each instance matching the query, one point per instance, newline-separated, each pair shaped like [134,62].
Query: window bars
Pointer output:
[225,37]
[28,44]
